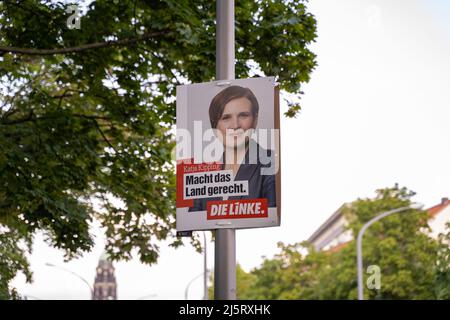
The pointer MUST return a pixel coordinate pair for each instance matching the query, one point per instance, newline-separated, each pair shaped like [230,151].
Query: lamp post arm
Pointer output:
[189,284]
[26,296]
[75,274]
[361,232]
[147,296]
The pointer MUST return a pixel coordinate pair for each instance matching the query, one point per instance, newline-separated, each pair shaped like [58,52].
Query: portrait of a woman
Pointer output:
[233,113]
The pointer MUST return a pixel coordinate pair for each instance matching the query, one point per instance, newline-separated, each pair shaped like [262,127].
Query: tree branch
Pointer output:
[90,46]
[104,136]
[29,117]
[32,117]
[90,117]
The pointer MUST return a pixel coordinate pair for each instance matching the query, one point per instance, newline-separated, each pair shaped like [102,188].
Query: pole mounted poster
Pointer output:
[228,155]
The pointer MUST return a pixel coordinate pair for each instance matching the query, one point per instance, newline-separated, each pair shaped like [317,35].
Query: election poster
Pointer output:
[228,155]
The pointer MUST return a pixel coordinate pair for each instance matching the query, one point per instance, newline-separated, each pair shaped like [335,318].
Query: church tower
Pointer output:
[105,287]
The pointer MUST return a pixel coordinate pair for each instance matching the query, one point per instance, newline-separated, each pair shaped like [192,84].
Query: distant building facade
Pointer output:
[105,285]
[333,233]
[439,217]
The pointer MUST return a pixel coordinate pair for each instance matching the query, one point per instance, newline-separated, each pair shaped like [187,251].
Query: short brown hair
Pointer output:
[223,97]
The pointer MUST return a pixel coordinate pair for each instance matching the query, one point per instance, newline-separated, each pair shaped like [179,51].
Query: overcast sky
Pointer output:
[376,112]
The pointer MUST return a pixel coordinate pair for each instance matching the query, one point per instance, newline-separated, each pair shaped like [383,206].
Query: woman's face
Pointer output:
[236,121]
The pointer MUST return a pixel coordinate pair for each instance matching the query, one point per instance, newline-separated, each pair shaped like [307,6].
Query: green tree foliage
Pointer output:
[442,289]
[413,265]
[87,114]
[13,246]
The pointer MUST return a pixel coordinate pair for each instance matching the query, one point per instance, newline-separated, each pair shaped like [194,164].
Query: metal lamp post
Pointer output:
[73,273]
[359,258]
[186,291]
[225,243]
[26,296]
[204,273]
[153,295]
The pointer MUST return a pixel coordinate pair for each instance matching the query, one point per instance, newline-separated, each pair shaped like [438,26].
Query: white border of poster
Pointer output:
[228,155]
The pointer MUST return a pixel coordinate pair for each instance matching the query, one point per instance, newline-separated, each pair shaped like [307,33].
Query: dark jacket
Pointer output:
[260,186]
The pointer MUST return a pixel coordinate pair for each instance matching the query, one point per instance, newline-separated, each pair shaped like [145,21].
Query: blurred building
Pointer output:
[333,233]
[105,286]
[439,217]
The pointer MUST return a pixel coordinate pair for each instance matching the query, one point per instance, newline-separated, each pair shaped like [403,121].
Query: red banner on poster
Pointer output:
[237,209]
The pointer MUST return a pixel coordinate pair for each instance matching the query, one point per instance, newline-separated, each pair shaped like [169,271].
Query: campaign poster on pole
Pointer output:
[228,155]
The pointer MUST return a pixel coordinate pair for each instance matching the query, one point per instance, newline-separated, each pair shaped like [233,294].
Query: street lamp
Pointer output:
[147,296]
[73,273]
[26,296]
[359,258]
[189,284]
[204,273]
